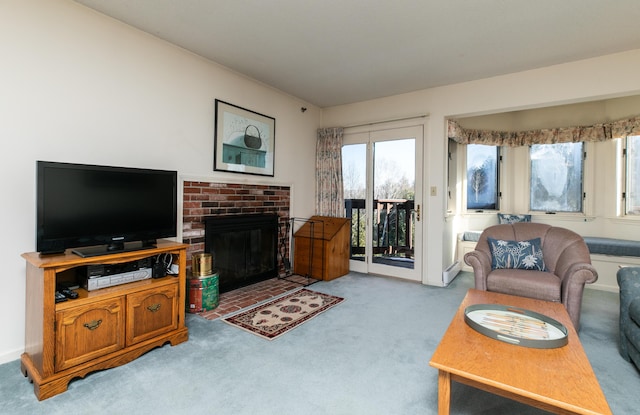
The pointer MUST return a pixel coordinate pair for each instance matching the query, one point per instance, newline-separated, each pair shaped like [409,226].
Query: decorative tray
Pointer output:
[516,326]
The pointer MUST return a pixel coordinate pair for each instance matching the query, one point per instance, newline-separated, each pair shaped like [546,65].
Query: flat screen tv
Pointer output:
[95,210]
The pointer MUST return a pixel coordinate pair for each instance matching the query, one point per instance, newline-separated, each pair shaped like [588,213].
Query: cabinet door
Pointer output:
[151,313]
[89,331]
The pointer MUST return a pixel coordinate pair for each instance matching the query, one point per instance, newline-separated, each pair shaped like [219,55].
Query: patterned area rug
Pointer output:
[275,317]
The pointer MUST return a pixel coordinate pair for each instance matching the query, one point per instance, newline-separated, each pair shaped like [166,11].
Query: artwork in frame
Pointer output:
[244,140]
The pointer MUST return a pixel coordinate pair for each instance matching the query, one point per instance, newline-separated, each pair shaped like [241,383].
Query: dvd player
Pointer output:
[101,270]
[94,283]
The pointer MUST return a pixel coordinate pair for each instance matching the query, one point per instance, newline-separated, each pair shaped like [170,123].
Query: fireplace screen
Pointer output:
[244,248]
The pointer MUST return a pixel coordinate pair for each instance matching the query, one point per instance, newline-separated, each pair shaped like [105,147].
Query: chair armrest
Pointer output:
[573,281]
[629,283]
[574,258]
[480,261]
[575,274]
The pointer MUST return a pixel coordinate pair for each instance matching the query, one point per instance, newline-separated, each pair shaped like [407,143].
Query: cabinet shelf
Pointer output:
[85,296]
[102,328]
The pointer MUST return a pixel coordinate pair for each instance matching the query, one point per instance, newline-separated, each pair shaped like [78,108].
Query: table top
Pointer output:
[560,377]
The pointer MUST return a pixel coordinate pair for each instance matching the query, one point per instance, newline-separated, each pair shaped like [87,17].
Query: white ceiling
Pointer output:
[332,52]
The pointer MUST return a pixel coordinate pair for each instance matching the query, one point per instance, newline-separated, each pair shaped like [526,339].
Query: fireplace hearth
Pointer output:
[244,248]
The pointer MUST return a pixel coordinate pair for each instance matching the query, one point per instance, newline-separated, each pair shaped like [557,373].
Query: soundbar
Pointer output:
[94,283]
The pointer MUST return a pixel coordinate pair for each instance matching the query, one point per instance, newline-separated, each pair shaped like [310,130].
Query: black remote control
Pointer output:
[60,297]
[69,293]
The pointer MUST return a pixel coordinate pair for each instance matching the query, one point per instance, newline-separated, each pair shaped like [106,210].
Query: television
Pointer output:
[94,210]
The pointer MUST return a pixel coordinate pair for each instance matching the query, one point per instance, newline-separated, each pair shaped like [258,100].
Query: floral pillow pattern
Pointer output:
[508,218]
[516,254]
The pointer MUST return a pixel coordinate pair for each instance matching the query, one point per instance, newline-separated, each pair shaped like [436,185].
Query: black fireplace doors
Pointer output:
[243,247]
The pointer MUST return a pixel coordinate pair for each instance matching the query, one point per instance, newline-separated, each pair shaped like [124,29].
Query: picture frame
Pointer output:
[244,140]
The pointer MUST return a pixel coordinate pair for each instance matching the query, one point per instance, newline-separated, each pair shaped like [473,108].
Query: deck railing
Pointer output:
[392,227]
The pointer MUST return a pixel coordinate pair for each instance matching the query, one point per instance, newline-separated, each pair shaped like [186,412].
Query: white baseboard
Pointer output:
[10,356]
[450,273]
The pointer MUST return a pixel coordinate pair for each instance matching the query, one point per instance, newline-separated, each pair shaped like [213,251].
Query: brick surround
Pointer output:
[236,300]
[202,199]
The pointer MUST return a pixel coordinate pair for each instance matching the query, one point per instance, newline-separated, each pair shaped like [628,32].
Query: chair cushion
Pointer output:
[525,283]
[611,246]
[516,254]
[471,236]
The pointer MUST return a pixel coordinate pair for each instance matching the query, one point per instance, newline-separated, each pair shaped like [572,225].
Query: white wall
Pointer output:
[76,86]
[587,80]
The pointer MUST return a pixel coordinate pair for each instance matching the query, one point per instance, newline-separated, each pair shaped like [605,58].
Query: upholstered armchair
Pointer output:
[534,260]
[629,283]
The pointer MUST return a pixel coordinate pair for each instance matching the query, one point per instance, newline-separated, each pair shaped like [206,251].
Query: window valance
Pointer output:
[596,132]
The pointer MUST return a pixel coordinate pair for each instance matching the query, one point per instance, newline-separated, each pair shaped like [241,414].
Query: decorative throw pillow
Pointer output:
[509,218]
[516,254]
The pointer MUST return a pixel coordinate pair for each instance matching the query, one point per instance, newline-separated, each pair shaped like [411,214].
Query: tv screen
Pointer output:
[106,208]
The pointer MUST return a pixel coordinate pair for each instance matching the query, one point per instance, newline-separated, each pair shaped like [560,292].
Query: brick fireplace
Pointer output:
[204,199]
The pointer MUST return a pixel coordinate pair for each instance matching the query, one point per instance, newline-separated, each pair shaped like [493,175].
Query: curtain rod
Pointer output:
[386,121]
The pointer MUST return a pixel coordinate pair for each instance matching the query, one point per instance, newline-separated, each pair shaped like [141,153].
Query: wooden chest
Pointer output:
[321,248]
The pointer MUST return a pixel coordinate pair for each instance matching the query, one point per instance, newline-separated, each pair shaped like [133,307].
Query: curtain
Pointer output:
[329,191]
[596,132]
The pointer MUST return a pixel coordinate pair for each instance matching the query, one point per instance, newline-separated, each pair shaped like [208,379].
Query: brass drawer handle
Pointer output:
[154,307]
[92,325]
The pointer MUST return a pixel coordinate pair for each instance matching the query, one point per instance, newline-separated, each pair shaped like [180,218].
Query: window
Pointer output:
[632,175]
[556,177]
[482,176]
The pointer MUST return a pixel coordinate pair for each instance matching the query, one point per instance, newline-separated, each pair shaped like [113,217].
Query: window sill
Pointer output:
[480,212]
[627,220]
[569,217]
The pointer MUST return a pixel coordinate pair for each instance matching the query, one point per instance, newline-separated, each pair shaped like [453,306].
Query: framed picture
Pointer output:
[244,140]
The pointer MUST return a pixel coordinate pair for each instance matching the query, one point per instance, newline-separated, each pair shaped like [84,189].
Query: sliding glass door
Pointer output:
[382,191]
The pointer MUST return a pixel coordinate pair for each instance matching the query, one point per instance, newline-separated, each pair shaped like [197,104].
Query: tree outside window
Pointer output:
[482,176]
[556,177]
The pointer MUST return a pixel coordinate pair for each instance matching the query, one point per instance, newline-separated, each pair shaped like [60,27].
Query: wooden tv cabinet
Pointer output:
[101,328]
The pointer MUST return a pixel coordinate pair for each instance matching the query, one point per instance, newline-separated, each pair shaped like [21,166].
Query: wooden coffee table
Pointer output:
[558,380]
